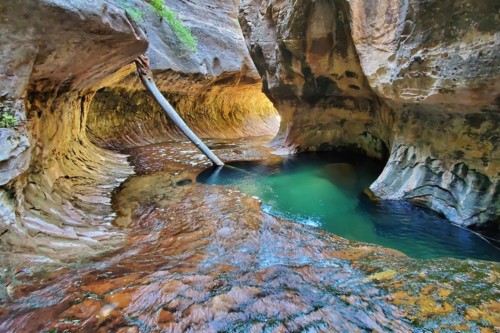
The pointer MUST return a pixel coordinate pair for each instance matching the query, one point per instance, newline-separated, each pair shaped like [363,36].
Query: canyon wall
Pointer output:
[55,185]
[437,63]
[68,79]
[415,82]
[310,70]
[216,89]
[412,82]
[122,118]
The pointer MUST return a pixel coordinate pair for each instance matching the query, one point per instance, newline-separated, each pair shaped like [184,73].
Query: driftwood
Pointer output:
[146,77]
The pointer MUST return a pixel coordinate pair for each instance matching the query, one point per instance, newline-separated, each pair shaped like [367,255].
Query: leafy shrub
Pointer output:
[182,32]
[7,120]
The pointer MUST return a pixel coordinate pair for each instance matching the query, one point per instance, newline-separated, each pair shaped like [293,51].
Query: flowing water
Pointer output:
[326,191]
[204,258]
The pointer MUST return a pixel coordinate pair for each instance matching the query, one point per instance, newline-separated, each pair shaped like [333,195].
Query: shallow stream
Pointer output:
[201,258]
[326,191]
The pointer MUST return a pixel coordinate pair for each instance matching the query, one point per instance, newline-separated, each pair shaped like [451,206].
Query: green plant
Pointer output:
[134,13]
[182,32]
[7,120]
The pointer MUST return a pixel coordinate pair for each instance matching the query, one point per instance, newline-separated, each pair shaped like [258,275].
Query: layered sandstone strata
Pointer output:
[415,81]
[437,64]
[216,88]
[55,185]
[67,77]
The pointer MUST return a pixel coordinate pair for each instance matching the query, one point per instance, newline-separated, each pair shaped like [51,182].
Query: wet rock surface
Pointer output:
[206,258]
[55,182]
[389,78]
[55,185]
[440,75]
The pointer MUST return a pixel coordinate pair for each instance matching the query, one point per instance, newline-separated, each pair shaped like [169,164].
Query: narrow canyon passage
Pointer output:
[351,131]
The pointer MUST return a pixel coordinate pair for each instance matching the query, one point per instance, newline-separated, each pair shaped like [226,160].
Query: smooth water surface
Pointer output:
[326,191]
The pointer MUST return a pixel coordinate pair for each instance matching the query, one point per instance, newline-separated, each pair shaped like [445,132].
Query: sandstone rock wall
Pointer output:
[67,76]
[120,118]
[417,79]
[56,185]
[216,88]
[309,67]
[437,64]
[434,52]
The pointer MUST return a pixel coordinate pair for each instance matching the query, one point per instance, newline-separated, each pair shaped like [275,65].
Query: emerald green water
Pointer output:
[325,191]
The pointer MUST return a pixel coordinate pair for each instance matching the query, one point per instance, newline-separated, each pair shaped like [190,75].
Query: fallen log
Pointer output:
[146,76]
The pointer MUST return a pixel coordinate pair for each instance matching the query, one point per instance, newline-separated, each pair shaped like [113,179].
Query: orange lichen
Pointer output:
[427,289]
[489,312]
[444,293]
[385,275]
[401,298]
[429,308]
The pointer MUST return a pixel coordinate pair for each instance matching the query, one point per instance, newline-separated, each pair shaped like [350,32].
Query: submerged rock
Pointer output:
[208,259]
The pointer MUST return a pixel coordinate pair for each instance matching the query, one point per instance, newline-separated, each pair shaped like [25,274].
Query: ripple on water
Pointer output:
[325,191]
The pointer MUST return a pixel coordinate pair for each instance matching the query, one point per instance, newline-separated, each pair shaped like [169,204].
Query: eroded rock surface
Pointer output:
[440,53]
[309,67]
[417,81]
[67,77]
[438,65]
[194,265]
[216,88]
[207,258]
[122,118]
[56,185]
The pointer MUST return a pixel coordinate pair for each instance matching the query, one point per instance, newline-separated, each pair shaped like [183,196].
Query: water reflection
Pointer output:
[324,190]
[205,259]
